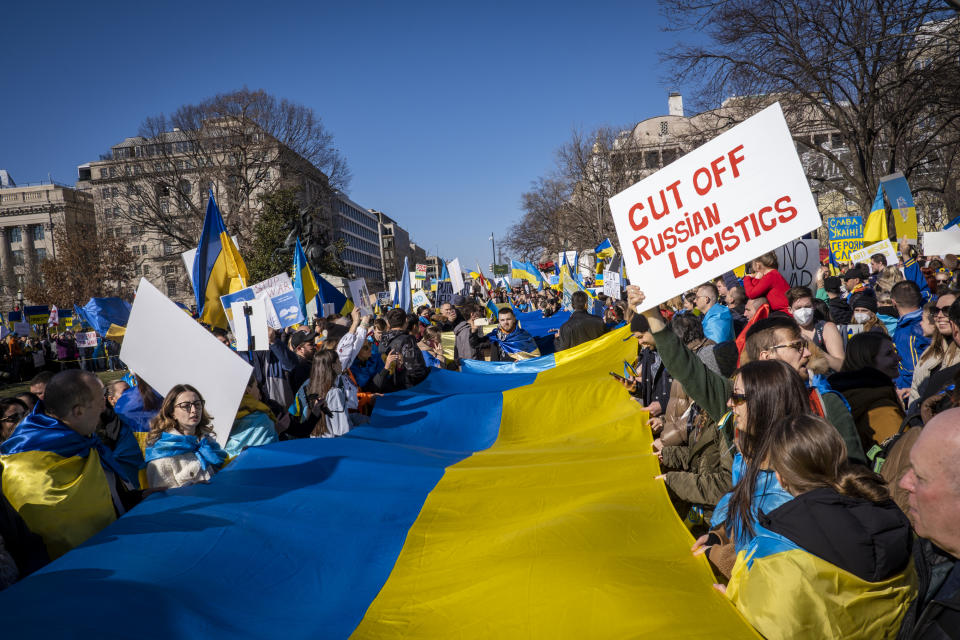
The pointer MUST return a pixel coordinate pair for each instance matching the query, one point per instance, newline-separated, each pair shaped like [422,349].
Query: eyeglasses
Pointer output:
[187,406]
[798,345]
[942,311]
[12,419]
[738,398]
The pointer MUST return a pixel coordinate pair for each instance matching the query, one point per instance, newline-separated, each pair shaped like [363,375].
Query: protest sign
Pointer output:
[22,328]
[456,275]
[4,332]
[252,337]
[384,299]
[845,234]
[420,299]
[37,314]
[86,339]
[421,272]
[611,284]
[166,347]
[884,246]
[360,296]
[283,309]
[799,262]
[732,199]
[444,293]
[940,243]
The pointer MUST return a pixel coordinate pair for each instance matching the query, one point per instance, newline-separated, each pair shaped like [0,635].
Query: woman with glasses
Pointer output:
[180,447]
[943,351]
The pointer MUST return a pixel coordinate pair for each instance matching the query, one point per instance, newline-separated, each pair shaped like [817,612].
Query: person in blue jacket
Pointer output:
[908,336]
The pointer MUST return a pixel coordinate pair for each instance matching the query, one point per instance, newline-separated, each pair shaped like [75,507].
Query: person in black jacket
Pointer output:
[840,311]
[408,367]
[581,327]
[933,486]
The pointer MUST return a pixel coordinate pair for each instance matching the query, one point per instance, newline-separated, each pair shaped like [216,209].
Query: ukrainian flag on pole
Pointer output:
[875,228]
[605,250]
[218,268]
[304,282]
[329,294]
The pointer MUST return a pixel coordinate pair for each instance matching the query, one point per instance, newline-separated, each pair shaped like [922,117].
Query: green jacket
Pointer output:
[703,466]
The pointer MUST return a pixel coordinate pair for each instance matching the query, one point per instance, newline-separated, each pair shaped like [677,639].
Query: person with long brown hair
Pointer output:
[180,447]
[833,561]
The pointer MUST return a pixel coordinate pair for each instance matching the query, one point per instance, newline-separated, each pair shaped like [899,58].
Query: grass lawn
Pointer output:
[13,389]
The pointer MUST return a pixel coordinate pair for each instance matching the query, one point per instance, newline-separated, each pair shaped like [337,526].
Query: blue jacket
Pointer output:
[911,271]
[718,324]
[910,343]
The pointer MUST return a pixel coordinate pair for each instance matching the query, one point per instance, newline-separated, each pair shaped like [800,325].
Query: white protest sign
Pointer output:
[166,347]
[940,243]
[22,328]
[884,246]
[732,199]
[257,338]
[4,332]
[282,306]
[611,284]
[360,296]
[799,262]
[87,339]
[420,299]
[456,275]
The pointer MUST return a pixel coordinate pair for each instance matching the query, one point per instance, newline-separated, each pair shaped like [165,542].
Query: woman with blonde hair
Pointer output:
[834,561]
[180,447]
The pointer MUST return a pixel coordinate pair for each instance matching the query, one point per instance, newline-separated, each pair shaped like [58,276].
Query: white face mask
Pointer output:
[803,316]
[861,317]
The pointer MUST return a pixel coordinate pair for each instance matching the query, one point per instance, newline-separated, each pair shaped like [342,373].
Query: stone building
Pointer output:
[29,215]
[153,193]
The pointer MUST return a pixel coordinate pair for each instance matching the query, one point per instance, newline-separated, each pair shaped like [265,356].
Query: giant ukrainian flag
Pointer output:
[218,268]
[472,506]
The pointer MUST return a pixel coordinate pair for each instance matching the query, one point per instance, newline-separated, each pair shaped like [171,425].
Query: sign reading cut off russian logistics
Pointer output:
[732,199]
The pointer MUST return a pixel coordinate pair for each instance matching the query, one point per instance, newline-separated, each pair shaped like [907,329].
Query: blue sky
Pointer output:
[445,111]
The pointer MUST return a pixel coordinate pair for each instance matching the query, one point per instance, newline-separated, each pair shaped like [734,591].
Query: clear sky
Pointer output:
[445,111]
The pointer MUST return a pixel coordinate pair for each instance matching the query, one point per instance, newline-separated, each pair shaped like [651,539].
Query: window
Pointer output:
[131,188]
[18,257]
[146,269]
[663,128]
[143,249]
[41,254]
[170,270]
[103,172]
[168,248]
[113,172]
[38,232]
[114,192]
[171,288]
[16,234]
[136,250]
[105,192]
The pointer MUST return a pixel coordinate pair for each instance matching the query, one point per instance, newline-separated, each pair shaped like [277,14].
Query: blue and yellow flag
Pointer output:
[329,294]
[875,228]
[904,212]
[55,479]
[493,525]
[218,268]
[107,316]
[304,282]
[404,293]
[605,250]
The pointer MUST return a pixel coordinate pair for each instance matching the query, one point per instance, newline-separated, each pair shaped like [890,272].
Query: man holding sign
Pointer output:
[739,196]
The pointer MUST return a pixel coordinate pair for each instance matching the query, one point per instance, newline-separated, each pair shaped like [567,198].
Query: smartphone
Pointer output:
[628,370]
[618,377]
[480,322]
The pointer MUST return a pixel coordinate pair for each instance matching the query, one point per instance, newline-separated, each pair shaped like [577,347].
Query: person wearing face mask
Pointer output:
[866,381]
[824,335]
[865,312]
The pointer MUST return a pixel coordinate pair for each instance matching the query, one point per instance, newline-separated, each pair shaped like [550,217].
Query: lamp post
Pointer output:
[20,299]
[493,249]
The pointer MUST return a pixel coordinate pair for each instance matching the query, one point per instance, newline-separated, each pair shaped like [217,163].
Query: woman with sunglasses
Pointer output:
[180,449]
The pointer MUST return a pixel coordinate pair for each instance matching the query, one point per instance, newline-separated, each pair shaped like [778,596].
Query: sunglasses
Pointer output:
[738,398]
[942,311]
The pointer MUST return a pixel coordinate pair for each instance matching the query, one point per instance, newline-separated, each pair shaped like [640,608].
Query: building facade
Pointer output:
[359,228]
[153,193]
[29,216]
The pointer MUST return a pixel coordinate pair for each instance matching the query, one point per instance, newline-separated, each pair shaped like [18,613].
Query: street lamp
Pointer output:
[20,299]
[493,248]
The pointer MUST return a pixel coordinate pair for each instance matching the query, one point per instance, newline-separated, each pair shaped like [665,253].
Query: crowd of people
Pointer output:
[22,357]
[807,435]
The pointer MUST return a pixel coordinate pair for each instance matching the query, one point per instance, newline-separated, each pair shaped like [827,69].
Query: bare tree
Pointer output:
[236,145]
[83,266]
[878,76]
[569,209]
